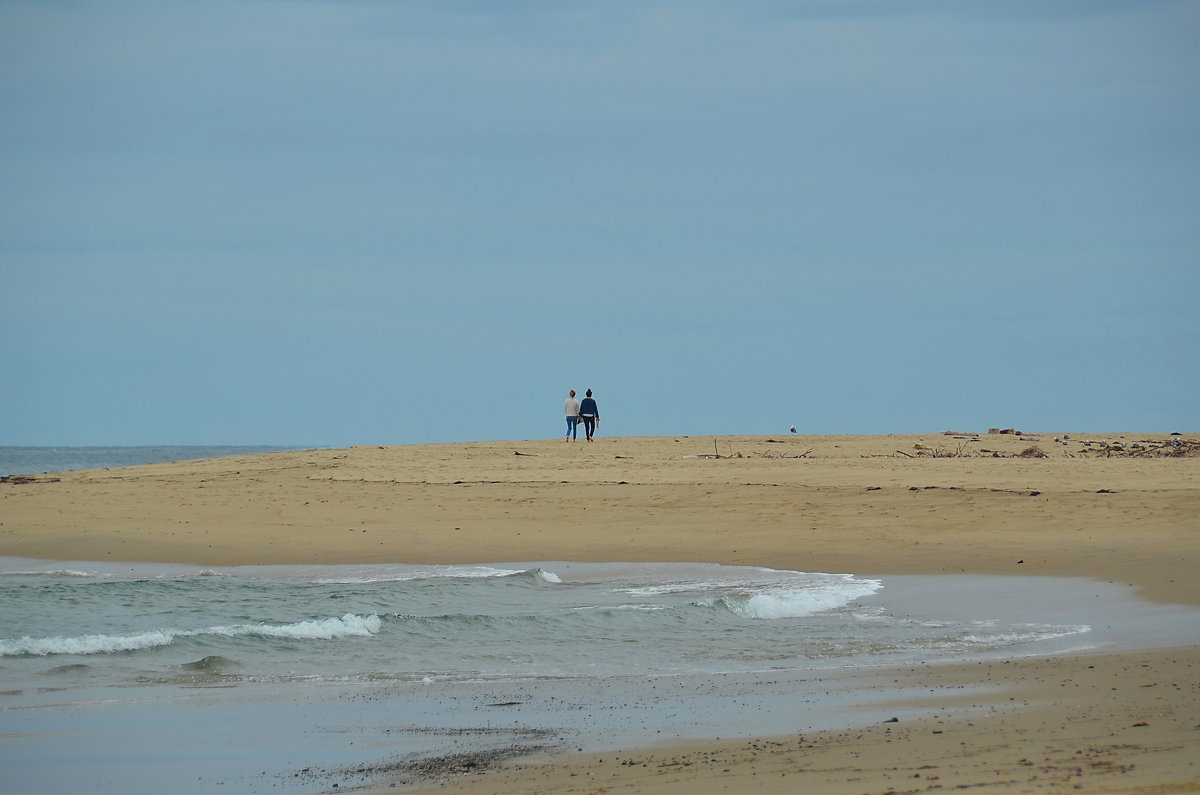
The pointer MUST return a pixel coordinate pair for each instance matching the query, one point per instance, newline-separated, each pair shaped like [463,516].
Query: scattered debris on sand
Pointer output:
[21,480]
[1174,447]
[440,769]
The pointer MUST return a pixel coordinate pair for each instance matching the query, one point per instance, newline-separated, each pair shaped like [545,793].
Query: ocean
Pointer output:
[36,460]
[137,624]
[120,677]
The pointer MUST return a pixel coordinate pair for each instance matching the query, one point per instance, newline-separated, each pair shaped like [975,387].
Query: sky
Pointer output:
[307,222]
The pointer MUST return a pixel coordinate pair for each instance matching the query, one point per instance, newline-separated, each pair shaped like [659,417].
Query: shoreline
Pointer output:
[892,504]
[829,503]
[1101,722]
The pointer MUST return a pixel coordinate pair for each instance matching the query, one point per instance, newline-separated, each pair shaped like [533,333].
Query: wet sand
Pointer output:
[1094,723]
[869,505]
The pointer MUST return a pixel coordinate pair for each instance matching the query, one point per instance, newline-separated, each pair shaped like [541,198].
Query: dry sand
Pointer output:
[870,505]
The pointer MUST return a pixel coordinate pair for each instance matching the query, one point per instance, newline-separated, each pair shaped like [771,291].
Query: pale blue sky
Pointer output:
[328,223]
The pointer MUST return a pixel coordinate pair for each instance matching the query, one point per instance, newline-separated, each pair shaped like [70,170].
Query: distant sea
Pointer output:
[36,460]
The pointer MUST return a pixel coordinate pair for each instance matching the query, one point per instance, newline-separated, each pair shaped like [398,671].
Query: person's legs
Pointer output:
[572,427]
[589,427]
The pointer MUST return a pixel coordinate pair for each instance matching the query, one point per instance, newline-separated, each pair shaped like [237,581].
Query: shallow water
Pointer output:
[262,673]
[131,624]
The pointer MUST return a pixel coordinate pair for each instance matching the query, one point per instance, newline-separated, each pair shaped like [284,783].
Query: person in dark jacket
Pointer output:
[589,412]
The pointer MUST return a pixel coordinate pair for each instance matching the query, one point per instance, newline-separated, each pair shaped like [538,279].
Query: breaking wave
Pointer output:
[348,625]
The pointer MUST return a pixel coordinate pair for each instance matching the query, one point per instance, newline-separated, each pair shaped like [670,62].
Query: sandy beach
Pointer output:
[1112,507]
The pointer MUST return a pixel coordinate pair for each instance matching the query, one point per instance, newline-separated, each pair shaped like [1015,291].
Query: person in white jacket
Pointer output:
[572,409]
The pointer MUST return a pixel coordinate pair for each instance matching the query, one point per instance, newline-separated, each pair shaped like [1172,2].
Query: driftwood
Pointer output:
[781,455]
[717,455]
[1175,447]
[961,451]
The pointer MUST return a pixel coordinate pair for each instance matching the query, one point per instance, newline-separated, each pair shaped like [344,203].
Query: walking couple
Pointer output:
[586,412]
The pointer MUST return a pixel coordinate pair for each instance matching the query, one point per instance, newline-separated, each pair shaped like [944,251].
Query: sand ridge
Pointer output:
[828,503]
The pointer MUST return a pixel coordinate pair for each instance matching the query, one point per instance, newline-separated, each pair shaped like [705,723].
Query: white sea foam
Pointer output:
[349,625]
[1021,634]
[85,644]
[53,573]
[828,592]
[779,594]
[673,588]
[352,576]
[787,605]
[803,597]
